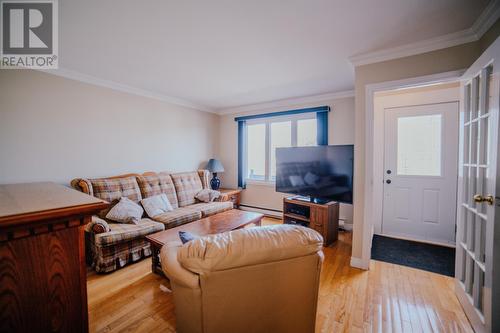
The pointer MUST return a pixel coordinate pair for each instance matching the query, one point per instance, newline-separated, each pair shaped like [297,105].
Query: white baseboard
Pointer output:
[360,263]
[271,213]
[346,226]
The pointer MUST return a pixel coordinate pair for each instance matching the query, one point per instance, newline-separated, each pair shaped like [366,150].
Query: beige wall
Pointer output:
[440,61]
[340,131]
[55,129]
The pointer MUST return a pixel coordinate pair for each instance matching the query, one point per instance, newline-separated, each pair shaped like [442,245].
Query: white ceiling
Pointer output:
[222,54]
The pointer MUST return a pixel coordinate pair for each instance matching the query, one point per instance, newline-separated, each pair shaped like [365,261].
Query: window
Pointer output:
[419,145]
[265,135]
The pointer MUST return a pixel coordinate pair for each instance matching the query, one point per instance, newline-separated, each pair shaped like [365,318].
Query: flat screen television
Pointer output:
[319,174]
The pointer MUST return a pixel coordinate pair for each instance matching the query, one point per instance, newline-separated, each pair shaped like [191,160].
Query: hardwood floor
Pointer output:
[387,298]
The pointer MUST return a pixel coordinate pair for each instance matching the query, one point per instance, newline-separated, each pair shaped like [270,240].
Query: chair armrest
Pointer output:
[98,225]
[173,269]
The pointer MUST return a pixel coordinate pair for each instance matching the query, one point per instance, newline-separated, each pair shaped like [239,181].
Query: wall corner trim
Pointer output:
[360,263]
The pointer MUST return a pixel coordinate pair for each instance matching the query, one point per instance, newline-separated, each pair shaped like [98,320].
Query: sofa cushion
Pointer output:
[211,208]
[245,247]
[158,183]
[178,217]
[112,189]
[187,185]
[205,177]
[121,232]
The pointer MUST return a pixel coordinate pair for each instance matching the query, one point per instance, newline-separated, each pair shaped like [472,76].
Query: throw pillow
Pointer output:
[207,195]
[186,236]
[156,205]
[125,211]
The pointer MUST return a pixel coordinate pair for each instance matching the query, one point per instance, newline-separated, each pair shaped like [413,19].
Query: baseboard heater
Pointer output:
[266,211]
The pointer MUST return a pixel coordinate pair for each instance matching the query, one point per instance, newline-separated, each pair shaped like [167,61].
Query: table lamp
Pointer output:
[214,166]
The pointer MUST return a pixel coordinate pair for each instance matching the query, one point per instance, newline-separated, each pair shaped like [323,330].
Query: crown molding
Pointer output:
[487,18]
[311,100]
[77,76]
[441,42]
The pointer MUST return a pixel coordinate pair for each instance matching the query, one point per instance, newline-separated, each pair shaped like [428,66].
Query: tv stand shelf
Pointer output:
[324,218]
[297,217]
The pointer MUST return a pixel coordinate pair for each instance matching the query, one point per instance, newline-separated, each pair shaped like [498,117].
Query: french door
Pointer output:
[478,230]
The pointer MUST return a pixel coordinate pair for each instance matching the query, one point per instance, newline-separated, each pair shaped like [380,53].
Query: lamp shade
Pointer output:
[214,165]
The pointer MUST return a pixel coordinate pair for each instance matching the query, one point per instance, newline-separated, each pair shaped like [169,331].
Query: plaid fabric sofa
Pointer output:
[110,245]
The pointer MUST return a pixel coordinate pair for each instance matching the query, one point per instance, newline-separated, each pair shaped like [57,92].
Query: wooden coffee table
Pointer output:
[215,224]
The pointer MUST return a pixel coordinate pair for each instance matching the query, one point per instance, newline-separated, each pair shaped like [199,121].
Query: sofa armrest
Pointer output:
[97,226]
[173,269]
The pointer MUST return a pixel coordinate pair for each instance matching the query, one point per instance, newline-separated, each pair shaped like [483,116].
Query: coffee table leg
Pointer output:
[155,259]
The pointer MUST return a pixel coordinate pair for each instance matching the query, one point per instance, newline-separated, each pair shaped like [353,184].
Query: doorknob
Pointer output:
[489,199]
[388,181]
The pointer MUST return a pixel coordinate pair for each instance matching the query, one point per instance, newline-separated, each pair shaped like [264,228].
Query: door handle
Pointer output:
[388,181]
[489,199]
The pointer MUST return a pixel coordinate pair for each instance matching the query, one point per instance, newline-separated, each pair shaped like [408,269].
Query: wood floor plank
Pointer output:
[387,298]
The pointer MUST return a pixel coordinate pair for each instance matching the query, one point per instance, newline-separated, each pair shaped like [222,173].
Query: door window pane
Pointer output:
[281,136]
[419,145]
[256,151]
[306,132]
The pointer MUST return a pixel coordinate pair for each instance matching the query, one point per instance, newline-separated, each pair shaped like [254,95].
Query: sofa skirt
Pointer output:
[105,259]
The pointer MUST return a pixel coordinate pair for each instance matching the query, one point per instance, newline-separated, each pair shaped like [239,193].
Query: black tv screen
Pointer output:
[321,172]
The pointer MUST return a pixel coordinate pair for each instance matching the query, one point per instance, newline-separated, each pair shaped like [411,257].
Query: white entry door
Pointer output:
[477,263]
[420,175]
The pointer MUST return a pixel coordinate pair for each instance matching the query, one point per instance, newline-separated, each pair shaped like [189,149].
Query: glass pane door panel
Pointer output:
[281,136]
[306,132]
[256,151]
[419,145]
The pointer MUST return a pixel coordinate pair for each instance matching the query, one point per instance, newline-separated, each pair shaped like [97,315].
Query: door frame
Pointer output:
[382,103]
[391,114]
[370,200]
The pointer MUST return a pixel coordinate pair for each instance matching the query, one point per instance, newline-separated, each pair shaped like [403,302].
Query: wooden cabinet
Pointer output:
[322,218]
[42,269]
[233,195]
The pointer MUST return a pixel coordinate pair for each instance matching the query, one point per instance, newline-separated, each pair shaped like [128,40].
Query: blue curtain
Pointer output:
[322,128]
[242,126]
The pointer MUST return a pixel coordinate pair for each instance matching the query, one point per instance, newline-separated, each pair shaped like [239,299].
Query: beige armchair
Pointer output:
[262,279]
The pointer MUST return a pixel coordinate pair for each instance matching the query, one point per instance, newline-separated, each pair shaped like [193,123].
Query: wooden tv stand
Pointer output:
[324,218]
